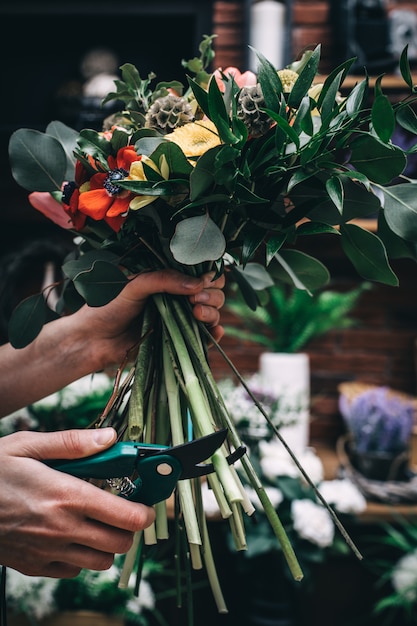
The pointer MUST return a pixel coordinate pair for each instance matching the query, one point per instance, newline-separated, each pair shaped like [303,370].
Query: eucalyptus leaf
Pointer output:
[27,320]
[68,139]
[86,261]
[100,284]
[38,161]
[196,240]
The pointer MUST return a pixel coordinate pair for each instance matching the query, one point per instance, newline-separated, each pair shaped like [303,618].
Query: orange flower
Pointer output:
[100,197]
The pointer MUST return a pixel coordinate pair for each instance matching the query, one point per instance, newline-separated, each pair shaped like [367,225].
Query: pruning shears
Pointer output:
[148,473]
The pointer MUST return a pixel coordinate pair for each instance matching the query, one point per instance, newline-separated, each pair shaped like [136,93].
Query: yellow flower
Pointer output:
[138,173]
[287,78]
[314,93]
[195,138]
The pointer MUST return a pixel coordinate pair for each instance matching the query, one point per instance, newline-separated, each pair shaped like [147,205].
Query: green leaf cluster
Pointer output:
[326,164]
[289,318]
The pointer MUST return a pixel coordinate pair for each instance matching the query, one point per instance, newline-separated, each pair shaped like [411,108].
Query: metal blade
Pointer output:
[192,453]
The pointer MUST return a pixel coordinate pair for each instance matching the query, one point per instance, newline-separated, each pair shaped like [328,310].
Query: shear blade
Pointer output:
[192,453]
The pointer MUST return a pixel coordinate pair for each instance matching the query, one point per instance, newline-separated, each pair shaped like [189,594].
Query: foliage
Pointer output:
[289,317]
[322,162]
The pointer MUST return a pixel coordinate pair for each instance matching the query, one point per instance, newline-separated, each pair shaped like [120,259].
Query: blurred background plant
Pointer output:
[290,317]
[38,598]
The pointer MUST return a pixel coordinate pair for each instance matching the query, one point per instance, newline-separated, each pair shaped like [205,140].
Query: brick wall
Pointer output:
[311,25]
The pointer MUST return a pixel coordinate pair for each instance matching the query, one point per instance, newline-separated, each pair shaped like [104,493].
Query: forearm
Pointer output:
[58,356]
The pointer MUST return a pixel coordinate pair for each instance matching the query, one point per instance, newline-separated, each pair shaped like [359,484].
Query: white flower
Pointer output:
[312,522]
[32,595]
[343,495]
[404,577]
[275,461]
[145,599]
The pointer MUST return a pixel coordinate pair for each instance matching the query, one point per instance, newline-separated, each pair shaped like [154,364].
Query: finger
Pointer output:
[66,444]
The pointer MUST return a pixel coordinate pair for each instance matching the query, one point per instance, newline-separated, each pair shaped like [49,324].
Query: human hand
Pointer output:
[112,330]
[52,524]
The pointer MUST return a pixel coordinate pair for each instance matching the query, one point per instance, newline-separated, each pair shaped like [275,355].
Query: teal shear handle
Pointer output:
[157,477]
[146,473]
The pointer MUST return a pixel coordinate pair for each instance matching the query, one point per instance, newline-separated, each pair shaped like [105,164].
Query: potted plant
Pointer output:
[285,323]
[379,422]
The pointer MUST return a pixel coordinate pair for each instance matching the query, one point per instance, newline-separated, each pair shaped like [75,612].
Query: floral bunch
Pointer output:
[379,419]
[224,173]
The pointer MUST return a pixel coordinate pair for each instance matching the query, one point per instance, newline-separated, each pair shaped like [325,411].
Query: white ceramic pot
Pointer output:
[288,377]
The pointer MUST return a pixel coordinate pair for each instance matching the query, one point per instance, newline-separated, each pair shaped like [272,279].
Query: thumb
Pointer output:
[65,444]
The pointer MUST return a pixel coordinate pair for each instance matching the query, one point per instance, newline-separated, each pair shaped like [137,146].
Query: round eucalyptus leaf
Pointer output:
[38,161]
[27,320]
[197,239]
[101,284]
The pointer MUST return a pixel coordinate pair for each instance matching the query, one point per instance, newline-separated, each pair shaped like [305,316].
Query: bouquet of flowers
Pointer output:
[224,173]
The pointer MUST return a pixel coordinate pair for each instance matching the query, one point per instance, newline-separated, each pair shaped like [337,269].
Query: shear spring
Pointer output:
[124,485]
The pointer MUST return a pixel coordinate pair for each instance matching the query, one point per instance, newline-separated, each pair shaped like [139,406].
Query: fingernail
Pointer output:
[103,436]
[203,296]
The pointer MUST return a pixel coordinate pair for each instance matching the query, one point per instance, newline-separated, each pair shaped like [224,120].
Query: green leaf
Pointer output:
[202,178]
[405,68]
[400,210]
[197,239]
[178,164]
[367,253]
[407,118]
[100,284]
[86,261]
[383,118]
[396,247]
[38,161]
[270,82]
[218,114]
[200,95]
[300,269]
[67,137]
[327,103]
[27,320]
[335,190]
[380,162]
[274,244]
[355,100]
[305,79]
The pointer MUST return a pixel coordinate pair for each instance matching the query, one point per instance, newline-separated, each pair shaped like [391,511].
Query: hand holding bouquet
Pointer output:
[222,175]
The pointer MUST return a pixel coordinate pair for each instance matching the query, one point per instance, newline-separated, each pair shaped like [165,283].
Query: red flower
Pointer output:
[100,197]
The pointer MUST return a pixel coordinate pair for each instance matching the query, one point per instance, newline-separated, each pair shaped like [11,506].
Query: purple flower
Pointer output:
[378,419]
